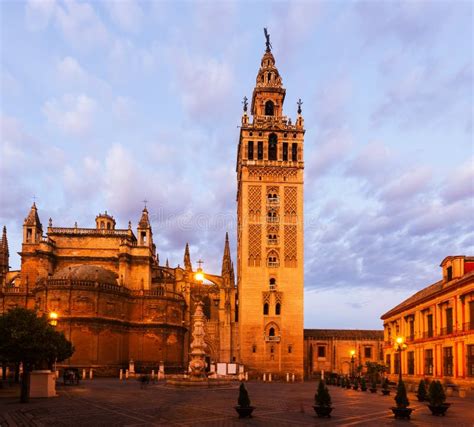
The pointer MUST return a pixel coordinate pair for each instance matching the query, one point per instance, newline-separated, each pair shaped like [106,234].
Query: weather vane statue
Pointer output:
[245,102]
[299,104]
[267,43]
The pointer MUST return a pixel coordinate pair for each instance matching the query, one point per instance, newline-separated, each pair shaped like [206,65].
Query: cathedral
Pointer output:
[114,300]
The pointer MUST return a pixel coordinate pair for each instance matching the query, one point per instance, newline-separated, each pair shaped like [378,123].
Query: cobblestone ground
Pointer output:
[107,402]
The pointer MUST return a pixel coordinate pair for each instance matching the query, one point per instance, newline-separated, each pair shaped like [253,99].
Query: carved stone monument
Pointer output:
[197,364]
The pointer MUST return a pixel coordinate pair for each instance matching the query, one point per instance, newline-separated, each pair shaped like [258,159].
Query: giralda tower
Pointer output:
[270,229]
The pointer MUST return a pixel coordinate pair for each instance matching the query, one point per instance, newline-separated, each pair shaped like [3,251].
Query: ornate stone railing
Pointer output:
[158,292]
[89,231]
[13,289]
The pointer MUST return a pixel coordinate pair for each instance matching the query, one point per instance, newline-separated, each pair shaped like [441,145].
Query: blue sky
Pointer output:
[104,104]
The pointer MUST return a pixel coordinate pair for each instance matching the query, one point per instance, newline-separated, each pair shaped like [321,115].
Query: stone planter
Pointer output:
[385,392]
[439,410]
[402,413]
[244,411]
[373,390]
[42,384]
[323,411]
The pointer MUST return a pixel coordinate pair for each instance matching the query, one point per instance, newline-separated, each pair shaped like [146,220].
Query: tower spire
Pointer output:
[4,256]
[4,242]
[226,259]
[187,259]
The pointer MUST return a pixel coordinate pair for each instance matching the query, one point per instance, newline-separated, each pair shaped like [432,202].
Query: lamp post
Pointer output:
[53,321]
[399,347]
[352,353]
[53,318]
[199,276]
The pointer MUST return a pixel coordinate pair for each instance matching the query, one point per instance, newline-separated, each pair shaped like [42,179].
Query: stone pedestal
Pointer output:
[42,384]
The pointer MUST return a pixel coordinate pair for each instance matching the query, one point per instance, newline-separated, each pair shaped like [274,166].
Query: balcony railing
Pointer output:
[272,338]
[410,338]
[272,242]
[469,326]
[273,201]
[446,331]
[272,219]
[273,288]
[428,334]
[273,264]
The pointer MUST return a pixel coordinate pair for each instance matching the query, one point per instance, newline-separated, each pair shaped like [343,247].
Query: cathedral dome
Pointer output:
[91,273]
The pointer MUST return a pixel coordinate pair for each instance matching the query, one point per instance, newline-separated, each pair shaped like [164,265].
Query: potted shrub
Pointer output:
[363,384]
[421,394]
[348,383]
[402,410]
[385,389]
[356,384]
[437,399]
[243,408]
[373,386]
[322,401]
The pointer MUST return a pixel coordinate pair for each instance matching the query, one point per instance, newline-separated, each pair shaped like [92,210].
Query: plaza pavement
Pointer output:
[109,402]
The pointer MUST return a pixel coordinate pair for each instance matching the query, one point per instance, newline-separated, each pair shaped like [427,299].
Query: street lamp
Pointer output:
[53,318]
[352,353]
[199,276]
[399,347]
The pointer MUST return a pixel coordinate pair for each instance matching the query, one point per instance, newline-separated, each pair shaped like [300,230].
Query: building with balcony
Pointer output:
[437,326]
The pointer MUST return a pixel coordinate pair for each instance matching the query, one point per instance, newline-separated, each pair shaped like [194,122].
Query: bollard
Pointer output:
[84,374]
[121,375]
[246,376]
[287,377]
[264,377]
[91,373]
[269,377]
[153,375]
[126,374]
[293,377]
[57,374]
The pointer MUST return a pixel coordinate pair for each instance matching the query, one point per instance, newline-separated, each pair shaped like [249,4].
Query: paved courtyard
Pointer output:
[108,402]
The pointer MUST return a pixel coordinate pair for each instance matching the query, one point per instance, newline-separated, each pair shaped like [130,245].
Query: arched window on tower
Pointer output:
[265,309]
[272,216]
[269,108]
[272,260]
[272,147]
[277,308]
[273,284]
[271,332]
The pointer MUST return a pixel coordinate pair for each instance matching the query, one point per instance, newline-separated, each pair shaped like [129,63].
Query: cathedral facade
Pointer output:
[116,302]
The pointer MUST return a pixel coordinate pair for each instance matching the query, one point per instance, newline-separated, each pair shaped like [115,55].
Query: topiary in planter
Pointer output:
[356,384]
[385,389]
[421,394]
[402,410]
[363,384]
[243,408]
[322,401]
[437,399]
[373,386]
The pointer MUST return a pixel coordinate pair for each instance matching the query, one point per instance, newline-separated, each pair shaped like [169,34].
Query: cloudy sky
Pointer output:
[104,104]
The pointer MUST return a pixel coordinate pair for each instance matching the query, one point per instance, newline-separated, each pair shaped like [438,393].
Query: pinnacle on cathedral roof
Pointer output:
[33,218]
[4,243]
[187,259]
[226,259]
[144,220]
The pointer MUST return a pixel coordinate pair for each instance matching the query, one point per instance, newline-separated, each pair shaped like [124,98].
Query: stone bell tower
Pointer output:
[270,229]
